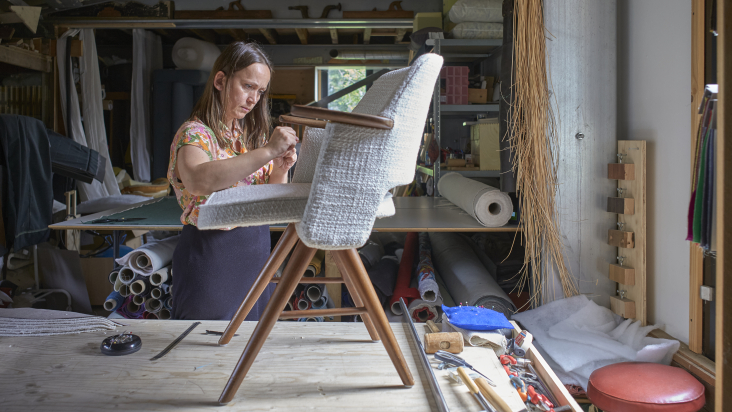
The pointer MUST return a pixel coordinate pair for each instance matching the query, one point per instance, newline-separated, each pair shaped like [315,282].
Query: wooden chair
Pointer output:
[346,167]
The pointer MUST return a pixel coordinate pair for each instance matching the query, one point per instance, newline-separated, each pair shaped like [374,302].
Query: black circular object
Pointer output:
[122,344]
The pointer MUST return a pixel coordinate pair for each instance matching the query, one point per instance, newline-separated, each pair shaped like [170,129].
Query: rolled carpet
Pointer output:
[487,204]
[467,280]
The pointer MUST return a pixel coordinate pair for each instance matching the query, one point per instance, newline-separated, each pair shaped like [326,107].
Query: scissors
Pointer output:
[118,220]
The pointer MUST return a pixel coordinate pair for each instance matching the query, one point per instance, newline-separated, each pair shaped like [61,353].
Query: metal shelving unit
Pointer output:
[460,51]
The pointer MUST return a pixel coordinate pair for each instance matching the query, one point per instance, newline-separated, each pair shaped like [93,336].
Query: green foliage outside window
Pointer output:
[339,79]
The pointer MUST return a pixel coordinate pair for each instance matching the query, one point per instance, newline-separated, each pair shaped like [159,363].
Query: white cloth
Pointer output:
[159,254]
[42,322]
[147,52]
[577,336]
[93,134]
[107,203]
[495,340]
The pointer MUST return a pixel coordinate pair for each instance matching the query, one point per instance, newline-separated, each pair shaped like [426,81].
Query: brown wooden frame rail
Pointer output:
[305,113]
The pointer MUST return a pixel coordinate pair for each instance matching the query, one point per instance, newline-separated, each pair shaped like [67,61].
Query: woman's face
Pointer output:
[246,87]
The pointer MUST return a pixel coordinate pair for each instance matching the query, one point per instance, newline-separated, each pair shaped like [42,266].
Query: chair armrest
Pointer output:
[356,119]
[304,121]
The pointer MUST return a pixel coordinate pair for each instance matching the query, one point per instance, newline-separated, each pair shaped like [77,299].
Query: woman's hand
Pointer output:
[283,163]
[283,140]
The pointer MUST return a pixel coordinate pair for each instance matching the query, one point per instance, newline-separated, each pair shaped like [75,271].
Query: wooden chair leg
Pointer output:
[299,261]
[356,297]
[278,255]
[362,284]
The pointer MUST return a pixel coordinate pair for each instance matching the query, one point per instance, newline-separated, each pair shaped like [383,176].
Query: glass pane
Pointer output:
[339,79]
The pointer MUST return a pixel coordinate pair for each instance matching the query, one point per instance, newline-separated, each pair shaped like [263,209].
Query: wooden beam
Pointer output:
[303,35]
[270,35]
[723,358]
[25,58]
[334,36]
[696,255]
[366,36]
[400,35]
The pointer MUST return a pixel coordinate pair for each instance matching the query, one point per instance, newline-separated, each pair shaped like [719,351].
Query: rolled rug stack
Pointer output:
[136,296]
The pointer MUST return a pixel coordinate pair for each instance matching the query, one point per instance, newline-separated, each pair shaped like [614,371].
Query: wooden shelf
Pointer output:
[25,58]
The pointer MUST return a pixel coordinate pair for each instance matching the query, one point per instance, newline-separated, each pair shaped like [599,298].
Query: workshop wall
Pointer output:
[654,52]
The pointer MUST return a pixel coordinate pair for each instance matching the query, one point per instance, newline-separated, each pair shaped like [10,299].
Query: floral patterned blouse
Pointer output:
[195,133]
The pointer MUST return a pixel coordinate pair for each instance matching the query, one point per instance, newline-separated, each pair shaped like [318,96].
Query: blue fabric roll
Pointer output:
[116,298]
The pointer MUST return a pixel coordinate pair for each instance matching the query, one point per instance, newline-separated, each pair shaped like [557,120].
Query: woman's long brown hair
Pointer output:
[211,107]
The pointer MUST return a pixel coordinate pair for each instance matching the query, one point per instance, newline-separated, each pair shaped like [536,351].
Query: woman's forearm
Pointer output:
[206,177]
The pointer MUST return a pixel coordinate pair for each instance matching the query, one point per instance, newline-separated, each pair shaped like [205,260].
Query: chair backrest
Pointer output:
[358,165]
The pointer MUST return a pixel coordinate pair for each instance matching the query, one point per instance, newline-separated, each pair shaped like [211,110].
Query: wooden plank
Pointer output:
[548,376]
[334,36]
[303,35]
[696,304]
[366,36]
[621,205]
[723,299]
[325,366]
[621,171]
[621,238]
[270,35]
[400,35]
[25,58]
[623,307]
[622,274]
[635,257]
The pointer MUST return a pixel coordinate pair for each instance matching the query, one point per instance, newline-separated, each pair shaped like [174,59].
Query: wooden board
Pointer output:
[636,223]
[621,171]
[623,307]
[622,274]
[324,367]
[299,81]
[621,238]
[26,58]
[621,205]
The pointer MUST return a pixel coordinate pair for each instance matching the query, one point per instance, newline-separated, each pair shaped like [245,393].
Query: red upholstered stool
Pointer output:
[641,387]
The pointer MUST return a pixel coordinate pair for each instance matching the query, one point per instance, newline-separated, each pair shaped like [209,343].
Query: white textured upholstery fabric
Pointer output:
[308,157]
[358,165]
[386,207]
[254,205]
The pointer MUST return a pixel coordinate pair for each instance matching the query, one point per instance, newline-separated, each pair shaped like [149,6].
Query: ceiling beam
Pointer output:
[270,35]
[303,35]
[334,35]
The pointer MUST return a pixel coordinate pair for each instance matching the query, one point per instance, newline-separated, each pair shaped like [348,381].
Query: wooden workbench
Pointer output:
[313,366]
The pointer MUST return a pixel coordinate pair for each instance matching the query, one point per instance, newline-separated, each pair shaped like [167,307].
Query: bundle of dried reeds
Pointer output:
[532,135]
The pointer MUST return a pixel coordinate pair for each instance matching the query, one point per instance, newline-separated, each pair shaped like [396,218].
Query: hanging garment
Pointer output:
[27,192]
[92,134]
[147,52]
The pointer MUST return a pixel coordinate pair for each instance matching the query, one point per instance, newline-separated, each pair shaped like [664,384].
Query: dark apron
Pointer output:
[214,269]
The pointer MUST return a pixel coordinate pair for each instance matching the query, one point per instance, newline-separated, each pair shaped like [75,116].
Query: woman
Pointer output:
[224,144]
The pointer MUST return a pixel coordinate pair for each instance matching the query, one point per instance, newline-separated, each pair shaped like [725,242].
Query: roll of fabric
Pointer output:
[422,311]
[314,291]
[130,310]
[383,276]
[493,339]
[370,254]
[164,314]
[124,290]
[149,315]
[151,256]
[160,276]
[429,290]
[153,305]
[315,265]
[113,275]
[404,276]
[487,204]
[141,287]
[467,280]
[126,275]
[117,284]
[168,303]
[311,319]
[113,301]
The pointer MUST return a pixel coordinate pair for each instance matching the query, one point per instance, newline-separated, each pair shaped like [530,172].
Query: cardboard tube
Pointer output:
[153,305]
[124,290]
[113,275]
[138,299]
[113,302]
[315,264]
[164,314]
[448,341]
[168,303]
[117,284]
[156,293]
[404,276]
[142,260]
[140,287]
[160,276]
[126,275]
[314,292]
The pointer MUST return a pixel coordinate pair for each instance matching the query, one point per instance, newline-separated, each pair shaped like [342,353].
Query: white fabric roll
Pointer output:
[147,51]
[488,205]
[487,11]
[159,254]
[194,54]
